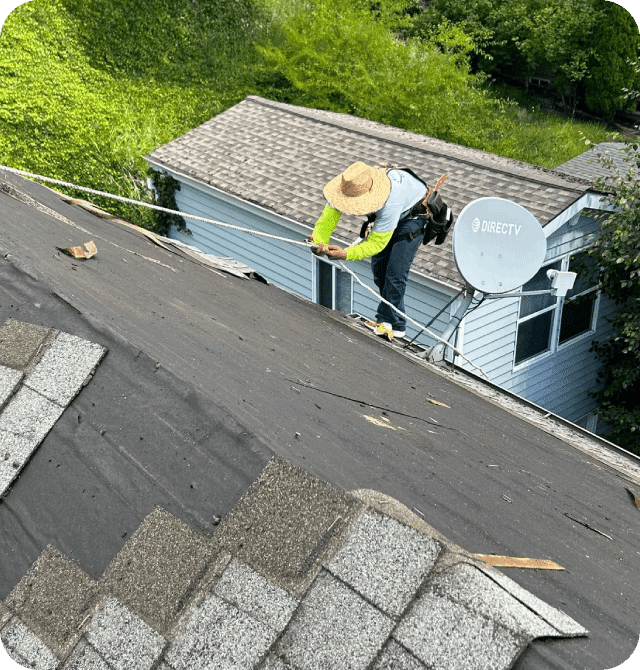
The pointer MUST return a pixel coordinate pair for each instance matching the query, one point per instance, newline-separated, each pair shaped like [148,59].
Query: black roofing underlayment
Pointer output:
[146,452]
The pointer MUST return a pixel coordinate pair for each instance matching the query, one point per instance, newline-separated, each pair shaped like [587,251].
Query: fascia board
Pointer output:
[587,201]
[284,221]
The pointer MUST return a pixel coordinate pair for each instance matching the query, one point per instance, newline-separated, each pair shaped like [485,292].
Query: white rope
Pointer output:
[415,323]
[243,230]
[157,207]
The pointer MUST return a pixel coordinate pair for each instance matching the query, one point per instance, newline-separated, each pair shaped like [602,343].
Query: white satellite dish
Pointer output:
[498,245]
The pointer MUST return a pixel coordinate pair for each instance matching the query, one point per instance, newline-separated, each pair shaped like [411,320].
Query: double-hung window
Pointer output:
[546,322]
[333,287]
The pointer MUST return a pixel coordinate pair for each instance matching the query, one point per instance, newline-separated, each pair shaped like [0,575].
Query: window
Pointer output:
[333,287]
[546,322]
[536,316]
[580,302]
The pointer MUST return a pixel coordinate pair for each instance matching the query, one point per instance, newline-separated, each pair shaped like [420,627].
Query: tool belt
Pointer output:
[433,210]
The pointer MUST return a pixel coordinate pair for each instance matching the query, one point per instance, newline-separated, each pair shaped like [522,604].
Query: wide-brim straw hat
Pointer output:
[360,189]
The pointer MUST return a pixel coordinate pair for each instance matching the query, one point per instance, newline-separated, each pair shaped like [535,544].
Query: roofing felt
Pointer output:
[350,605]
[259,371]
[280,156]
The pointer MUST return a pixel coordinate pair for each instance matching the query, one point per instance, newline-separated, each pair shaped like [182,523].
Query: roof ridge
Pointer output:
[553,175]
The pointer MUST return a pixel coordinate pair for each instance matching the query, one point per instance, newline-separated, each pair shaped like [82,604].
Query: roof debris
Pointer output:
[78,252]
[517,562]
[636,500]
[586,525]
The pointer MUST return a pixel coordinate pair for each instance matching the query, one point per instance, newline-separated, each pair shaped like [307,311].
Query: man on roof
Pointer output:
[387,197]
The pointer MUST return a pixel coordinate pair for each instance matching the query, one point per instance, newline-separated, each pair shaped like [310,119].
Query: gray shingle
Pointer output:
[64,367]
[24,423]
[286,524]
[254,595]
[304,148]
[53,600]
[334,629]
[122,639]
[563,623]
[384,561]
[25,648]
[469,586]
[9,381]
[157,568]
[218,636]
[85,657]
[20,343]
[394,657]
[447,636]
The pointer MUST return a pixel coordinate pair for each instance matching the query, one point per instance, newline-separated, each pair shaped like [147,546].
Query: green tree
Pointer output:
[343,60]
[615,51]
[561,38]
[588,45]
[617,252]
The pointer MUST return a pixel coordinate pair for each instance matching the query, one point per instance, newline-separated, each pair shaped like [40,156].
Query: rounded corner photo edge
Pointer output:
[633,662]
[6,7]
[632,6]
[6,662]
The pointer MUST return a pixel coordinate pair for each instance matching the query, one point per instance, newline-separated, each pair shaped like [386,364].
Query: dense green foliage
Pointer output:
[88,87]
[615,45]
[589,46]
[617,251]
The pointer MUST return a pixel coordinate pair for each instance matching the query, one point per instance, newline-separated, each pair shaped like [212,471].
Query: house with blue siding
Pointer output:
[262,165]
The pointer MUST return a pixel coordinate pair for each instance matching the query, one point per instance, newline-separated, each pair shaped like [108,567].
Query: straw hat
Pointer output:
[360,189]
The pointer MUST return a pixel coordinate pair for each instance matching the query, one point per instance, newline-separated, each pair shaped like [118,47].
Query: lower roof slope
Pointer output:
[214,372]
[280,156]
[589,165]
[299,576]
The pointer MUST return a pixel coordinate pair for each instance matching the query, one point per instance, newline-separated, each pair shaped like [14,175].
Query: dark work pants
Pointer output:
[391,270]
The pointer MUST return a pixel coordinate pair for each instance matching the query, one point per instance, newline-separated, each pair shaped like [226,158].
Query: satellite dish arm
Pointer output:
[436,353]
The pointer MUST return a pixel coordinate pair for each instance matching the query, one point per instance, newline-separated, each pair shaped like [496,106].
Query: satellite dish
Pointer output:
[498,245]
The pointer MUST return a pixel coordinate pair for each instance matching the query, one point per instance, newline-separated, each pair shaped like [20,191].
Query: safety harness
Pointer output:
[433,210]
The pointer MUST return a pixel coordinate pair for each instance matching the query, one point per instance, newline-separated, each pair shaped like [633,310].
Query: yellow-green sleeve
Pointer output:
[373,245]
[326,224]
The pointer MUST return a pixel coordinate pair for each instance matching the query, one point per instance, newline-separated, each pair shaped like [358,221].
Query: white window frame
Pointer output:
[335,269]
[556,320]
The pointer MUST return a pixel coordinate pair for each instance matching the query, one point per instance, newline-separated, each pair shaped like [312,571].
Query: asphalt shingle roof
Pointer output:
[388,589]
[588,165]
[280,156]
[199,366]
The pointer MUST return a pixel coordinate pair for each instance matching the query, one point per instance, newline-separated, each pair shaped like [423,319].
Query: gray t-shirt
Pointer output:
[406,191]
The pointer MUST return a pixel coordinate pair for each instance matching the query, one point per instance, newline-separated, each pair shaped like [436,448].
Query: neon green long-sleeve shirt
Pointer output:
[327,223]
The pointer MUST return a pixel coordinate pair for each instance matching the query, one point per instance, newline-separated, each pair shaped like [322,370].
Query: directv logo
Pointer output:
[495,227]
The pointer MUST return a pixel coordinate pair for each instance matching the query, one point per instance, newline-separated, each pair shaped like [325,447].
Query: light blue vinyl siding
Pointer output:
[284,265]
[422,303]
[560,380]
[287,266]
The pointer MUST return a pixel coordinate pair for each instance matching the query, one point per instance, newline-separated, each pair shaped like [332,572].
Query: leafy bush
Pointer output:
[88,87]
[617,251]
[83,100]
